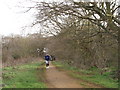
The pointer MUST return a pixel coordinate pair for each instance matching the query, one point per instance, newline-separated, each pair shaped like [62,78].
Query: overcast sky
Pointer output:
[12,21]
[12,18]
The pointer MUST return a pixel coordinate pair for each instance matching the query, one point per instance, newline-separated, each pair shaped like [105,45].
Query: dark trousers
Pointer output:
[47,64]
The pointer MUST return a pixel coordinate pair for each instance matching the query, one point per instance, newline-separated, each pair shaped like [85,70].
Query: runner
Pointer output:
[47,59]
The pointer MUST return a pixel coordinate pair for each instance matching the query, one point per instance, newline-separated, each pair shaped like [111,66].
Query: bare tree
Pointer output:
[102,14]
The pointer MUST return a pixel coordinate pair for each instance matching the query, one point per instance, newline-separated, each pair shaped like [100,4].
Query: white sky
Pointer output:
[11,18]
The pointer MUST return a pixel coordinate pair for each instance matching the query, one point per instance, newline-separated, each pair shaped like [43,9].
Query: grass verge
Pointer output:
[91,75]
[24,76]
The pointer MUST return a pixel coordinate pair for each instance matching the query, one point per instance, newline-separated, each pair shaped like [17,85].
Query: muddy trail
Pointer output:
[60,79]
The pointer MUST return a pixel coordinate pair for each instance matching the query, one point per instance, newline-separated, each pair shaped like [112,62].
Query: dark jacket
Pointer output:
[47,57]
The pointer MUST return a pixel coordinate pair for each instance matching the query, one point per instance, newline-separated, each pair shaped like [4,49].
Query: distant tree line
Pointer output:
[16,47]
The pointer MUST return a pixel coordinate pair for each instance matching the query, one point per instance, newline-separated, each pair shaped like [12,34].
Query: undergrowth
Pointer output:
[24,76]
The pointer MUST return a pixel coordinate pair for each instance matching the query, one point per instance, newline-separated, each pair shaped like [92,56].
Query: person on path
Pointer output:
[53,58]
[47,59]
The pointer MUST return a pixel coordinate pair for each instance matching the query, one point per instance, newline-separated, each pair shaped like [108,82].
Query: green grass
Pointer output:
[91,75]
[24,76]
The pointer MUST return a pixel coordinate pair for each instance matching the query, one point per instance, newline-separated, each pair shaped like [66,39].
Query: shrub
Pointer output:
[16,56]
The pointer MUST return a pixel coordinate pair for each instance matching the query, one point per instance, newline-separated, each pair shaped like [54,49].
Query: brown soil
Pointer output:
[60,79]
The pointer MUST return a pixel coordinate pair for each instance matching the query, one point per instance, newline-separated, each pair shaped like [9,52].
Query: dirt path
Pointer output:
[58,79]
